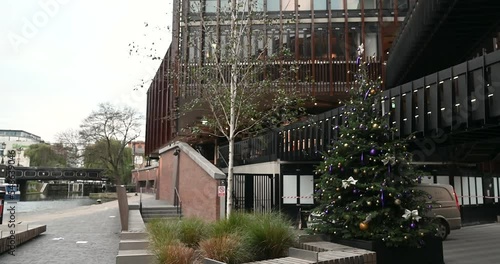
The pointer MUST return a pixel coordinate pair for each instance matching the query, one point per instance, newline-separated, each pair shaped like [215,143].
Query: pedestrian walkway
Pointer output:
[87,234]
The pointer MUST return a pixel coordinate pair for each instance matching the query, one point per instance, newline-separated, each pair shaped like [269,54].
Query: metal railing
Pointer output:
[178,202]
[460,101]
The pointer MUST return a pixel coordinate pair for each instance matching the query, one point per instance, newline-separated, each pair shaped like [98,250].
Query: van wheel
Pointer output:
[442,230]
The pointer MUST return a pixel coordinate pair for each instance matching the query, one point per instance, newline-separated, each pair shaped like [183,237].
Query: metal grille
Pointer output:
[254,193]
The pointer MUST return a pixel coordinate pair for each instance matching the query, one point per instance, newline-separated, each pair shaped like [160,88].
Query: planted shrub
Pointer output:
[226,248]
[162,232]
[236,223]
[176,253]
[241,238]
[269,236]
[191,231]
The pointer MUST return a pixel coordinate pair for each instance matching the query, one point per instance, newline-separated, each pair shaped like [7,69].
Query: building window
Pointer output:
[320,5]
[353,4]
[337,4]
[287,5]
[194,6]
[258,5]
[273,5]
[370,4]
[304,5]
[210,6]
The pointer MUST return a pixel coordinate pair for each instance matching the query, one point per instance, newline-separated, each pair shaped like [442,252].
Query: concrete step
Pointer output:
[133,235]
[133,244]
[159,212]
[160,209]
[148,219]
[134,257]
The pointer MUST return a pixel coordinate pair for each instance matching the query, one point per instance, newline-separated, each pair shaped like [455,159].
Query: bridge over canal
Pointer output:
[24,174]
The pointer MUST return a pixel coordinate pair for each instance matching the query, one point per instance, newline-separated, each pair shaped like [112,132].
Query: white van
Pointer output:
[446,209]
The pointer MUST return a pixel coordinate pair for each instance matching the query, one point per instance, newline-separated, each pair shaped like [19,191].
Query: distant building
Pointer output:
[18,140]
[138,153]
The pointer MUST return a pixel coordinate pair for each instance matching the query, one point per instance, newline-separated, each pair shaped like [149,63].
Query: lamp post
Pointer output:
[19,155]
[2,148]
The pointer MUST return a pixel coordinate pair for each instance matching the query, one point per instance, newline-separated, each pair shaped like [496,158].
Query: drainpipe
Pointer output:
[176,170]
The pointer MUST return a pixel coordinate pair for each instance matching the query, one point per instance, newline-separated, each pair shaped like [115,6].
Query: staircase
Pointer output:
[160,211]
[134,243]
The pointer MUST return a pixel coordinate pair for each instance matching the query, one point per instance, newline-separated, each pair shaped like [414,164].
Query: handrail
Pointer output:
[177,202]
[140,200]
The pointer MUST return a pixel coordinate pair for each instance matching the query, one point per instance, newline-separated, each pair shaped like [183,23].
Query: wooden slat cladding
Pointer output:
[322,37]
[312,77]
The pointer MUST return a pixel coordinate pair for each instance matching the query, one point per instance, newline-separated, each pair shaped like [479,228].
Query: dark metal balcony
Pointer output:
[456,106]
[439,33]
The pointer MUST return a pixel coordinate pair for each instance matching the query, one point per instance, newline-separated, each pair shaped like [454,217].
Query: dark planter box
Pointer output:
[430,253]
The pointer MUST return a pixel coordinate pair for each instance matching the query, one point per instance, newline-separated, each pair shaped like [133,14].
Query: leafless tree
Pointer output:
[112,123]
[240,87]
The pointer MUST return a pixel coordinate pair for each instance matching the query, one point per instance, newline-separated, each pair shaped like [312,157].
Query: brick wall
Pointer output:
[145,175]
[197,188]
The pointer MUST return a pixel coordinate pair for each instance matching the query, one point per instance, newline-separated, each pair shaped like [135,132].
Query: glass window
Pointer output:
[225,5]
[242,6]
[402,4]
[195,6]
[371,44]
[337,41]
[288,5]
[304,5]
[321,43]
[388,4]
[320,5]
[273,5]
[258,5]
[210,6]
[337,4]
[353,4]
[370,4]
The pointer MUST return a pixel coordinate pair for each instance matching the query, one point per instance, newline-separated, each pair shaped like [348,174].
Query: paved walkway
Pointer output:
[87,234]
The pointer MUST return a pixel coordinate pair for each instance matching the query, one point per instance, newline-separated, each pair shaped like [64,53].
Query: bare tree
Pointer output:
[73,145]
[109,124]
[240,87]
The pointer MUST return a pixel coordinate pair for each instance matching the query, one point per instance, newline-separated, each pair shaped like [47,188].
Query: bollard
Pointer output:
[2,196]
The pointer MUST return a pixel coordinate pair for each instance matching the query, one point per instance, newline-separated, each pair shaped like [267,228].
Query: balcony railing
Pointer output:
[459,101]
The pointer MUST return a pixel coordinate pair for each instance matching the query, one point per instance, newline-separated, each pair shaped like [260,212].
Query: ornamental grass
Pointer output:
[244,237]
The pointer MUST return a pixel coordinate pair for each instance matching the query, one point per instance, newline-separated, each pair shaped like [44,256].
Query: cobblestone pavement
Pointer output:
[84,235]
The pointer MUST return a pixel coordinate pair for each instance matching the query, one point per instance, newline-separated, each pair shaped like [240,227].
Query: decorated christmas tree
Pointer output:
[366,188]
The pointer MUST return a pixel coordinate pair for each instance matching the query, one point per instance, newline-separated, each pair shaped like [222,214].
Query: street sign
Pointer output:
[221,190]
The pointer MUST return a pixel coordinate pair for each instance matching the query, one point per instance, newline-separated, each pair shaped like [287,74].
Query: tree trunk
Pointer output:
[232,118]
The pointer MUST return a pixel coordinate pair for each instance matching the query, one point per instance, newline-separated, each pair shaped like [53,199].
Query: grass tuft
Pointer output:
[228,248]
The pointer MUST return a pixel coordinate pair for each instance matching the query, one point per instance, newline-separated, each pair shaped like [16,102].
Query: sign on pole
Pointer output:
[221,190]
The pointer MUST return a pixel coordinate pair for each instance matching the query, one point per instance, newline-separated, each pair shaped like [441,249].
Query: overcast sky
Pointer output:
[60,58]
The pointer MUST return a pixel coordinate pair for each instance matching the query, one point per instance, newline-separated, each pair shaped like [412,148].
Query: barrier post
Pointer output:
[2,196]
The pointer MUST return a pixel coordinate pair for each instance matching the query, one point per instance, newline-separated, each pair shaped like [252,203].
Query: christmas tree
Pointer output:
[366,188]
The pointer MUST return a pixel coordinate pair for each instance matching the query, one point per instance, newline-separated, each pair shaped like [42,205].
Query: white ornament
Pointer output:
[348,182]
[411,214]
[389,159]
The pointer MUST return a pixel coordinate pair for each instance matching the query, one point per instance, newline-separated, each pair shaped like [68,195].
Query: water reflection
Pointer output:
[52,202]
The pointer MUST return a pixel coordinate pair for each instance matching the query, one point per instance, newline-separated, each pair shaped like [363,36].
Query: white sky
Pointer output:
[60,58]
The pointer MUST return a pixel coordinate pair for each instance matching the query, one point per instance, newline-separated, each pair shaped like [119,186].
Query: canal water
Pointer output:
[31,203]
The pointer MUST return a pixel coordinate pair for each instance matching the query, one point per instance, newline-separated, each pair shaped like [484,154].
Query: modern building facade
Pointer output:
[18,140]
[322,35]
[443,87]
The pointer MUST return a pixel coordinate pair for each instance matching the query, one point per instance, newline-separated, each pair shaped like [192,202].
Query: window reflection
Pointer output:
[210,6]
[337,4]
[353,4]
[320,5]
[273,5]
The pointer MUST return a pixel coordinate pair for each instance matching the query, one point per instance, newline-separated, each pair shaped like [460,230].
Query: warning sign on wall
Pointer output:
[221,190]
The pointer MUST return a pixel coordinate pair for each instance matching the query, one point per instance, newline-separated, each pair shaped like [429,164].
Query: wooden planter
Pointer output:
[430,253]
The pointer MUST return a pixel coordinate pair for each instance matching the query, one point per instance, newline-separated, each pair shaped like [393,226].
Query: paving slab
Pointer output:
[86,234]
